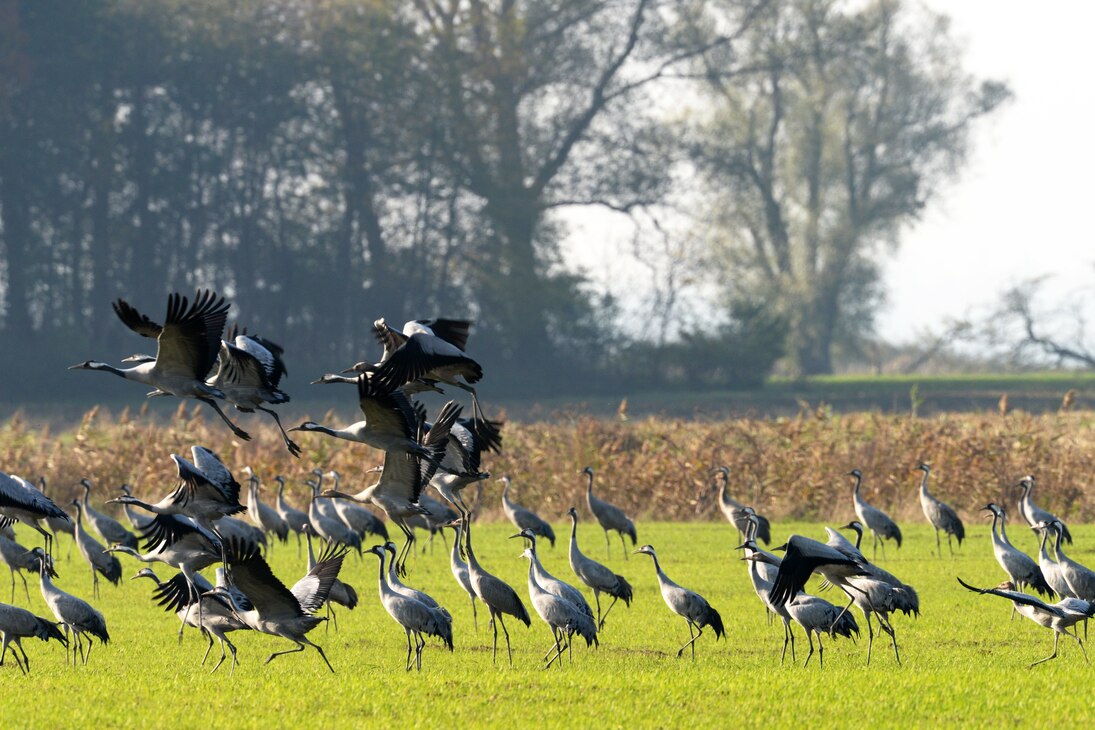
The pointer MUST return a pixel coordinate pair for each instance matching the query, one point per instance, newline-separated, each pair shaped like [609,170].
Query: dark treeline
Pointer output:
[323,163]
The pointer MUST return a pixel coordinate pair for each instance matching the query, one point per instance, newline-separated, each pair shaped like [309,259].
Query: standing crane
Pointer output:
[1020,567]
[414,616]
[562,617]
[357,518]
[596,576]
[249,374]
[186,349]
[762,574]
[330,529]
[609,516]
[523,518]
[108,528]
[1034,514]
[275,609]
[20,501]
[398,586]
[76,614]
[878,522]
[734,511]
[496,595]
[294,518]
[18,559]
[550,583]
[456,564]
[94,553]
[941,515]
[262,515]
[689,605]
[57,524]
[137,519]
[17,624]
[1059,617]
[341,593]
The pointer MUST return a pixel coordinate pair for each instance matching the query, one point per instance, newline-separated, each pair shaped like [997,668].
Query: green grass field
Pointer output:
[963,660]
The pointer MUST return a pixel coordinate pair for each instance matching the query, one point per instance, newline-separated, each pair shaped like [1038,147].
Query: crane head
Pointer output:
[145,573]
[923,466]
[588,471]
[856,473]
[573,514]
[645,550]
[1026,482]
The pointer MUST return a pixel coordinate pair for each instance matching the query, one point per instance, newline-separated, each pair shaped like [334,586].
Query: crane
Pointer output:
[733,510]
[402,479]
[803,556]
[609,516]
[341,593]
[523,518]
[108,528]
[138,520]
[262,515]
[496,595]
[762,574]
[327,527]
[1032,513]
[456,564]
[294,518]
[186,349]
[1020,567]
[1059,617]
[562,617]
[20,501]
[57,524]
[94,553]
[878,522]
[398,586]
[941,515]
[17,624]
[249,374]
[414,616]
[1050,568]
[596,576]
[689,605]
[76,614]
[550,583]
[275,609]
[358,519]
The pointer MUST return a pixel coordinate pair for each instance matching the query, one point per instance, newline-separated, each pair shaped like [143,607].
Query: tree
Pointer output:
[834,126]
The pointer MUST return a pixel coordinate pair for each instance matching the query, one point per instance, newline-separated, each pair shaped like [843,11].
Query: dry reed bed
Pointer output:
[654,468]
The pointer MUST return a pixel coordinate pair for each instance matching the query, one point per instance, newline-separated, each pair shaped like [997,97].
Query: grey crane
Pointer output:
[878,522]
[20,501]
[18,559]
[294,518]
[76,614]
[523,518]
[1059,617]
[390,423]
[550,583]
[186,349]
[941,515]
[262,515]
[689,605]
[803,556]
[458,567]
[1034,514]
[137,519]
[906,599]
[275,609]
[249,373]
[563,617]
[328,527]
[1020,567]
[207,490]
[214,618]
[596,576]
[734,511]
[101,562]
[341,593]
[1050,568]
[414,616]
[357,518]
[233,527]
[815,615]
[609,516]
[17,624]
[1080,578]
[499,598]
[399,587]
[460,466]
[403,478]
[108,528]
[431,350]
[440,514]
[762,574]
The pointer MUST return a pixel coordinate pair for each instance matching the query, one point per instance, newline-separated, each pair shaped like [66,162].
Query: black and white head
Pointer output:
[645,550]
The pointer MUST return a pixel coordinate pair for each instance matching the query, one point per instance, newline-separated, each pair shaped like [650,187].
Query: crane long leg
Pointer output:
[210,648]
[221,661]
[888,628]
[300,647]
[509,650]
[90,643]
[600,621]
[25,589]
[559,649]
[474,614]
[408,631]
[692,642]
[608,611]
[293,446]
[623,545]
[1078,641]
[608,548]
[950,545]
[938,546]
[401,558]
[820,653]
[494,625]
[870,636]
[783,654]
[12,570]
[26,659]
[240,433]
[810,639]
[1056,638]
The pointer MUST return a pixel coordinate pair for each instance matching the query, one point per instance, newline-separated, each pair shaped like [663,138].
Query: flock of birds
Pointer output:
[420,485]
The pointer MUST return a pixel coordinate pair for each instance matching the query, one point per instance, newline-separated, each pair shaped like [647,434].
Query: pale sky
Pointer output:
[1018,210]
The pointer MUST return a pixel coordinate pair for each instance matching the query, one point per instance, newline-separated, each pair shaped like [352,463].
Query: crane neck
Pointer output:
[384,587]
[311,554]
[858,481]
[1057,544]
[1042,549]
[589,484]
[995,518]
[454,556]
[127,500]
[924,486]
[858,537]
[658,567]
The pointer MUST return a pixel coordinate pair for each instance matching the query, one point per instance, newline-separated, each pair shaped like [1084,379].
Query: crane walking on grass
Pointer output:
[878,522]
[414,616]
[595,575]
[17,624]
[941,515]
[689,605]
[609,516]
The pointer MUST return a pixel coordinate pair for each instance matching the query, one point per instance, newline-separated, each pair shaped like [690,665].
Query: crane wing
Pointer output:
[390,412]
[312,590]
[18,493]
[388,338]
[267,354]
[216,474]
[249,572]
[166,530]
[190,339]
[136,321]
[453,331]
[799,563]
[1015,597]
